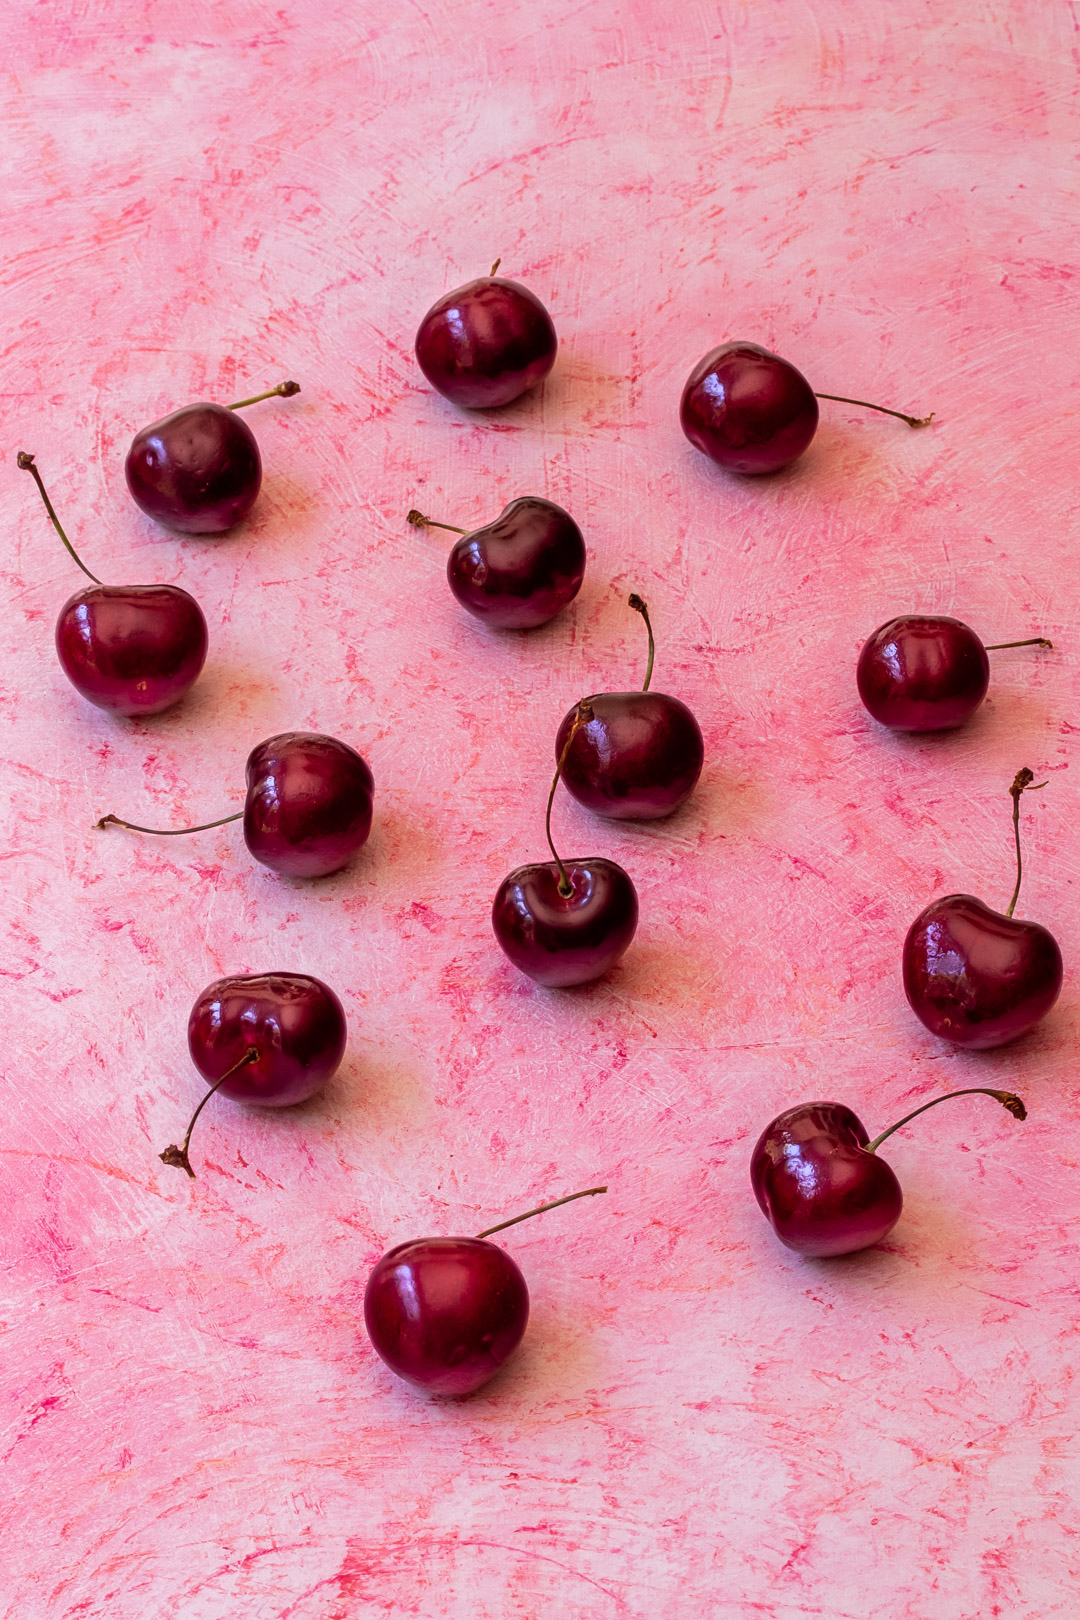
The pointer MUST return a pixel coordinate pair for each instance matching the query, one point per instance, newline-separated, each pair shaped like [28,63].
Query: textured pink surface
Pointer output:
[203,198]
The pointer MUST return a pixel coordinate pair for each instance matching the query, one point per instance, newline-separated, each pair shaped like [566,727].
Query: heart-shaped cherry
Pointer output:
[820,1183]
[924,672]
[308,808]
[640,754]
[752,412]
[446,1313]
[198,470]
[269,1039]
[486,343]
[566,923]
[519,571]
[131,649]
[978,977]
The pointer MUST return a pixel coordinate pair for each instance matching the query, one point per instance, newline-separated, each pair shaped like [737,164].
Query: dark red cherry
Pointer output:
[518,572]
[820,1183]
[198,470]
[923,672]
[269,1039]
[130,649]
[640,755]
[486,343]
[445,1313]
[752,412]
[978,977]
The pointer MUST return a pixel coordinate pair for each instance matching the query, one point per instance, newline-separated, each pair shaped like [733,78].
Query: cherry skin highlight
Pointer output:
[924,672]
[561,939]
[309,804]
[519,571]
[486,343]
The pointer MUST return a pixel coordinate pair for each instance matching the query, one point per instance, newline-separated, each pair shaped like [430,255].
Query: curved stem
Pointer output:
[582,716]
[165,832]
[901,416]
[419,521]
[1007,1099]
[26,462]
[1035,641]
[589,1192]
[495,266]
[178,1156]
[1021,783]
[284,390]
[639,606]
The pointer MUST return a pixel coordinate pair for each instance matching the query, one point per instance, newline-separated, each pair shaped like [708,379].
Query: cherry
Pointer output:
[819,1181]
[445,1313]
[131,649]
[977,977]
[752,412]
[308,807]
[519,571]
[922,672]
[198,471]
[269,1039]
[640,754]
[486,343]
[566,923]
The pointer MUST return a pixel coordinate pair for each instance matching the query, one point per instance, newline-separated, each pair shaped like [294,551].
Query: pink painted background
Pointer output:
[203,198]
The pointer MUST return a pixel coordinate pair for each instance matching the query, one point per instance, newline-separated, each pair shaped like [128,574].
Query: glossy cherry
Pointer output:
[486,343]
[639,756]
[978,977]
[519,571]
[924,672]
[752,412]
[819,1180]
[308,808]
[269,1039]
[198,470]
[566,922]
[445,1313]
[130,649]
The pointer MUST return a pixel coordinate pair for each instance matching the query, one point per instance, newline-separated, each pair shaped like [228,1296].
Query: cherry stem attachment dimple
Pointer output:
[582,715]
[901,416]
[284,390]
[26,462]
[589,1192]
[419,521]
[1007,1099]
[178,1156]
[165,832]
[1022,782]
[638,605]
[1034,641]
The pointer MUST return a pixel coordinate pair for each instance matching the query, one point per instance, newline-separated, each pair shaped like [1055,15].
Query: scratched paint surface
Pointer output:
[204,198]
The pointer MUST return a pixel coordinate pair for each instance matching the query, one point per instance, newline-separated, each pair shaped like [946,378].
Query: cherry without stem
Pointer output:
[521,570]
[487,343]
[927,672]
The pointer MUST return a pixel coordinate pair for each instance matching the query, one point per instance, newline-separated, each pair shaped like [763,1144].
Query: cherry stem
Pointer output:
[419,521]
[589,1192]
[165,832]
[284,390]
[901,416]
[495,266]
[1007,1099]
[26,462]
[1022,782]
[582,715]
[639,606]
[178,1156]
[1035,641]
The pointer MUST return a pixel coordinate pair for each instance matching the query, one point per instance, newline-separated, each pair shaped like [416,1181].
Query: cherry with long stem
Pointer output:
[26,462]
[582,716]
[165,832]
[178,1156]
[284,390]
[1007,1099]
[556,1203]
[901,416]
[1022,783]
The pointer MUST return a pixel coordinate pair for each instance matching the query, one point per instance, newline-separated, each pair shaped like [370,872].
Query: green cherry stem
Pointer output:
[165,832]
[26,461]
[639,606]
[1022,782]
[901,416]
[589,1192]
[1007,1099]
[582,715]
[419,521]
[284,390]
[1033,641]
[178,1156]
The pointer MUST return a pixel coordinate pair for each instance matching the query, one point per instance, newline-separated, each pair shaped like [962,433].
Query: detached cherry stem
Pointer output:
[1033,641]
[26,461]
[419,521]
[589,1192]
[639,606]
[582,716]
[284,390]
[1007,1099]
[1022,783]
[165,832]
[901,416]
[178,1156]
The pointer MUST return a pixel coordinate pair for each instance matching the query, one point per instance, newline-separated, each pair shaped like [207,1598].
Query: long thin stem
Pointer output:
[26,462]
[284,390]
[419,521]
[1007,1099]
[1021,783]
[901,416]
[639,606]
[582,715]
[590,1192]
[1035,641]
[165,832]
[178,1156]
